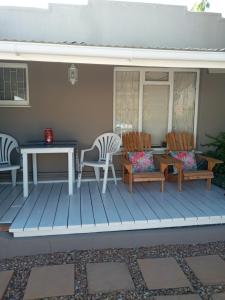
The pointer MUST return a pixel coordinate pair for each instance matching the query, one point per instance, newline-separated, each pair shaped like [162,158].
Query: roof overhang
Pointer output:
[67,53]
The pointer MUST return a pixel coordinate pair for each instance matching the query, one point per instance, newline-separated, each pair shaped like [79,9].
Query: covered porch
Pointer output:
[49,210]
[96,105]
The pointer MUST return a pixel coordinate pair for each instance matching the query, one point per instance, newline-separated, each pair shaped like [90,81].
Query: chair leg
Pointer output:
[97,173]
[209,181]
[123,174]
[180,179]
[166,173]
[13,175]
[114,173]
[106,168]
[162,186]
[79,177]
[130,182]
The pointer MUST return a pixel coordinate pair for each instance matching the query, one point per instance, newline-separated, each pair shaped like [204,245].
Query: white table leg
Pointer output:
[73,168]
[70,172]
[25,175]
[34,162]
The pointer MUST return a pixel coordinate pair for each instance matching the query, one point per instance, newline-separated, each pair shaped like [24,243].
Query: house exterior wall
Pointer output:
[80,112]
[211,116]
[85,110]
[99,23]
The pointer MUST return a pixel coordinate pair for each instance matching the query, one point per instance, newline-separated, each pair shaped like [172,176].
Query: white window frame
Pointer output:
[169,82]
[19,103]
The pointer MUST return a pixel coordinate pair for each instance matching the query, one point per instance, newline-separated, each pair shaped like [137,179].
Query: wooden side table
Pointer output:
[166,161]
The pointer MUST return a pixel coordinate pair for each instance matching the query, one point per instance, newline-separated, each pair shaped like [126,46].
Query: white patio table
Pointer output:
[42,148]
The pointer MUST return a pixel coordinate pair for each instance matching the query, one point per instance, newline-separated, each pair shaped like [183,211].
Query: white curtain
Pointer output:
[126,100]
[184,101]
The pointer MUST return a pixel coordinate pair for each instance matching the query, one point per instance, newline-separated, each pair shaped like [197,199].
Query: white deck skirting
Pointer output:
[49,210]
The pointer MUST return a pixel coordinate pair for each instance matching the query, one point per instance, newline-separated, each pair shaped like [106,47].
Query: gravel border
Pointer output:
[22,267]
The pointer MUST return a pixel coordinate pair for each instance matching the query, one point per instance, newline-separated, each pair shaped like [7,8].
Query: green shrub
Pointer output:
[218,151]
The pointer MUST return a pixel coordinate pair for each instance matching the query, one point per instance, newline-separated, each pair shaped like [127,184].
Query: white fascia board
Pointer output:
[27,51]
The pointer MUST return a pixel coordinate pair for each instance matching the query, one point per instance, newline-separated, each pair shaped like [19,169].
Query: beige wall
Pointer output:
[79,112]
[211,117]
[85,110]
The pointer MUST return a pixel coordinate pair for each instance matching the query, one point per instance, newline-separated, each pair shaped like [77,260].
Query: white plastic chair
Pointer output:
[7,145]
[107,145]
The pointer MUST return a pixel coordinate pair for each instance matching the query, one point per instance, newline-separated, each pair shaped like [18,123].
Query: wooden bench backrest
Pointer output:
[136,141]
[180,141]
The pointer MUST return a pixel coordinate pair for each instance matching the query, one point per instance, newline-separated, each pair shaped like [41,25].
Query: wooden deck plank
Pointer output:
[24,213]
[172,190]
[210,194]
[128,197]
[38,209]
[182,206]
[8,201]
[142,204]
[74,218]
[5,192]
[122,209]
[87,217]
[88,210]
[97,204]
[201,186]
[173,201]
[48,217]
[199,210]
[155,206]
[197,201]
[110,208]
[2,187]
[216,209]
[61,217]
[218,199]
[13,210]
[218,190]
[163,200]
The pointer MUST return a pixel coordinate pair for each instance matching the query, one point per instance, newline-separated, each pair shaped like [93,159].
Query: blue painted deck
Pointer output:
[49,210]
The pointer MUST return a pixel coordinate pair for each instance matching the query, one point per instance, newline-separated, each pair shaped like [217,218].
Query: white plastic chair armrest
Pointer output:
[83,152]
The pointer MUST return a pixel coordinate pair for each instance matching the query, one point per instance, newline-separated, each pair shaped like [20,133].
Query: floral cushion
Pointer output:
[188,159]
[142,161]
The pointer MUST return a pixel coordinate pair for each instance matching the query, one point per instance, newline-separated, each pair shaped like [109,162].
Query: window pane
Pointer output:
[156,76]
[184,101]
[155,112]
[126,101]
[13,84]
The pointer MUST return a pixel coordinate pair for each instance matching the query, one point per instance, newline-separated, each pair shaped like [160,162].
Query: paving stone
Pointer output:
[219,296]
[178,297]
[108,277]
[209,269]
[5,277]
[50,281]
[162,273]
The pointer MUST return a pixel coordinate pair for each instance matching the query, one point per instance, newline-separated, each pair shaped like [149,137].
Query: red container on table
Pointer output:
[48,133]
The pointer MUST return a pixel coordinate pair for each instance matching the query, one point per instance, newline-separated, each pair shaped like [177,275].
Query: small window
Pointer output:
[156,76]
[13,84]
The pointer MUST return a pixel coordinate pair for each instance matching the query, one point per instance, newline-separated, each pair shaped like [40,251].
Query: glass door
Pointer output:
[155,112]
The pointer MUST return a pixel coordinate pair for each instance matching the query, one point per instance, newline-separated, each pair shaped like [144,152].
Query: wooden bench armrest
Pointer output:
[210,159]
[127,165]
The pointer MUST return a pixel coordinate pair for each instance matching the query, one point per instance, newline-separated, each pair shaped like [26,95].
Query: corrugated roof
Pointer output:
[75,43]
